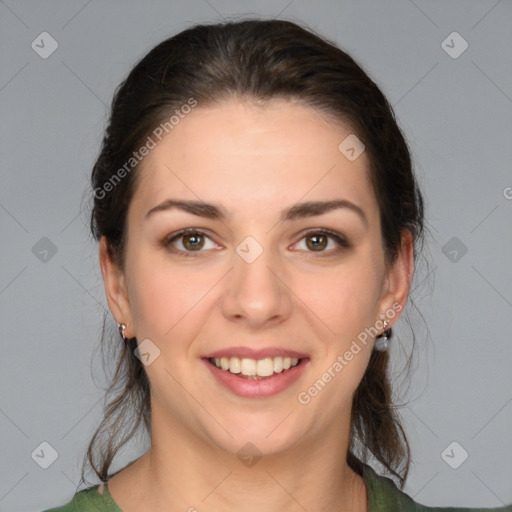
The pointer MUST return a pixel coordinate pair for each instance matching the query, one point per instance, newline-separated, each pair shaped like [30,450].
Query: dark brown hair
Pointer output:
[256,60]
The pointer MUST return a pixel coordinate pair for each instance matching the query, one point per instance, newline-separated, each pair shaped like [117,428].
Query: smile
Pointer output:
[242,376]
[255,368]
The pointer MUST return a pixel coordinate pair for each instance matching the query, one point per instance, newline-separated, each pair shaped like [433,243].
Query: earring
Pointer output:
[382,342]
[121,328]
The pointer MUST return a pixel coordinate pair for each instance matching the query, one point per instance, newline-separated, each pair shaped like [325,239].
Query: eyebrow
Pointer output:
[298,211]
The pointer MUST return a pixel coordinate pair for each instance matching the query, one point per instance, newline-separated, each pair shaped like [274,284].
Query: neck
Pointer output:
[185,472]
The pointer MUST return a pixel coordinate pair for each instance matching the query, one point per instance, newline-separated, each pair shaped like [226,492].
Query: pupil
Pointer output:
[195,241]
[317,243]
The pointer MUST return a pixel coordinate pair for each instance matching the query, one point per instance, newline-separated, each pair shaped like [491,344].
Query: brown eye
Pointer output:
[187,242]
[318,242]
[193,241]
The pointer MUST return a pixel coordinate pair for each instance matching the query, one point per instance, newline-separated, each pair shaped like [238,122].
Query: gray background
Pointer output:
[456,114]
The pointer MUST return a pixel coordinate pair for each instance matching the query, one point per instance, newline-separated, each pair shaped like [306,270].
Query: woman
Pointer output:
[258,222]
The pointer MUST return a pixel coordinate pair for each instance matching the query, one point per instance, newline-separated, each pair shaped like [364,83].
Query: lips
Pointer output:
[256,388]
[250,353]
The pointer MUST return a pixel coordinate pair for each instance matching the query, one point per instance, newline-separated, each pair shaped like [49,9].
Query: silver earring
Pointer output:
[382,342]
[121,328]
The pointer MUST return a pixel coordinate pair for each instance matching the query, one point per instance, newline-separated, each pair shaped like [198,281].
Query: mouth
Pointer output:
[256,369]
[257,378]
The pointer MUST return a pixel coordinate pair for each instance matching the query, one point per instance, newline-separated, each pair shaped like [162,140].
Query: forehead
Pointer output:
[253,156]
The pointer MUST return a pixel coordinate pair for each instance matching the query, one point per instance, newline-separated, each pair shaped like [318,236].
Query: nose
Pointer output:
[256,292]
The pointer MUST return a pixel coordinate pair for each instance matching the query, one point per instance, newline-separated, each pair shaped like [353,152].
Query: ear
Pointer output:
[398,280]
[115,289]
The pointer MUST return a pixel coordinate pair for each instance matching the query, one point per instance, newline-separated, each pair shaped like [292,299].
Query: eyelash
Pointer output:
[333,235]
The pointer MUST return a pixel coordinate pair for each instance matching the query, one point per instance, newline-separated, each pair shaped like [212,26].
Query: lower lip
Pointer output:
[257,388]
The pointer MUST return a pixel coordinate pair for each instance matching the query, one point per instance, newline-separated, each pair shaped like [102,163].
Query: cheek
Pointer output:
[165,299]
[344,298]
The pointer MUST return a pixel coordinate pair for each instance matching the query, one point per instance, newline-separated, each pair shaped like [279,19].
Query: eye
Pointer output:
[191,240]
[317,241]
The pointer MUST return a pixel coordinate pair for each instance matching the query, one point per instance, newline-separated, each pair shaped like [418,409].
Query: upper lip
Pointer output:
[250,353]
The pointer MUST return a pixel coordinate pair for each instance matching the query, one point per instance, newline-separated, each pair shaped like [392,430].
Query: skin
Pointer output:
[254,161]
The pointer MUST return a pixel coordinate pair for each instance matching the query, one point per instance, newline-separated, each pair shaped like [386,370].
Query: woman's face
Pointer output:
[253,278]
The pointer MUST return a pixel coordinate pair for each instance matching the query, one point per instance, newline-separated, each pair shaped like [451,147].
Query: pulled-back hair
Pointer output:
[256,60]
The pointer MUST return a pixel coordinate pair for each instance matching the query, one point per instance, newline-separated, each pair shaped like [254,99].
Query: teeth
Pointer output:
[252,367]
[278,364]
[264,367]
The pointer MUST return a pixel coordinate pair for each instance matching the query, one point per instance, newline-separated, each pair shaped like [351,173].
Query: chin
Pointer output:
[261,437]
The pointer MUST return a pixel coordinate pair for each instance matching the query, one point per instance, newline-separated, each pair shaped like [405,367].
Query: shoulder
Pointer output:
[91,499]
[384,495]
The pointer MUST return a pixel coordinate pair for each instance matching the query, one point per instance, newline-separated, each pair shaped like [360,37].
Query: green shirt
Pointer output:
[383,496]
